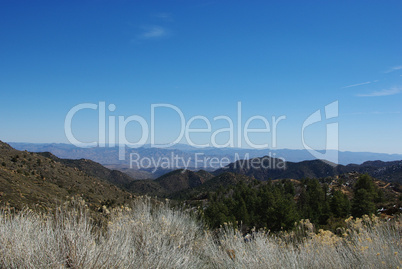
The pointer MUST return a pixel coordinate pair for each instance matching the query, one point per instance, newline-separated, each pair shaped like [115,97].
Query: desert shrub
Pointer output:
[151,234]
[365,243]
[145,235]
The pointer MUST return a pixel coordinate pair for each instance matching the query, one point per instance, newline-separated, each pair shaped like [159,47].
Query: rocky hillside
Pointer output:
[35,180]
[94,169]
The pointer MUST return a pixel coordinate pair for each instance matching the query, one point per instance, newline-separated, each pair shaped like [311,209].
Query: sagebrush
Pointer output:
[155,235]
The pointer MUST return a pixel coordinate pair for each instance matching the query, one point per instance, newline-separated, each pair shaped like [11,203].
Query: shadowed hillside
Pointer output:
[175,181]
[267,168]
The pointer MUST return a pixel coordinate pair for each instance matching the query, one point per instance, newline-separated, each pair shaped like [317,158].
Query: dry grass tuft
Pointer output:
[149,235]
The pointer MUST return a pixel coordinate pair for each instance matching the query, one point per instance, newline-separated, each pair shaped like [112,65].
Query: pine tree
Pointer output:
[339,204]
[365,195]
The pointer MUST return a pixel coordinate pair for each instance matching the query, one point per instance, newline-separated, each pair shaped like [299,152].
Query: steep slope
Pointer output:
[134,173]
[34,180]
[94,169]
[183,179]
[147,187]
[170,183]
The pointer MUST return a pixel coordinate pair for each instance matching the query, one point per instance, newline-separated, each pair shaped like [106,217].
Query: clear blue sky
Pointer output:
[275,57]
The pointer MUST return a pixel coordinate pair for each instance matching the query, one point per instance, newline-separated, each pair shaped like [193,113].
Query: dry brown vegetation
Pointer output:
[153,235]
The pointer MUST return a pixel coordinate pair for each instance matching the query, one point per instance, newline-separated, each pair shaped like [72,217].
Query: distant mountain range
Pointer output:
[43,179]
[109,156]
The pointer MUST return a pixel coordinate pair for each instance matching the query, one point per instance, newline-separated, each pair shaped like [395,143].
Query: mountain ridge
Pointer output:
[386,171]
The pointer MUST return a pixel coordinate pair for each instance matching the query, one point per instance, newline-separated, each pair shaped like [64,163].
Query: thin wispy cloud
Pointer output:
[392,69]
[384,92]
[153,32]
[358,84]
[163,16]
[156,30]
